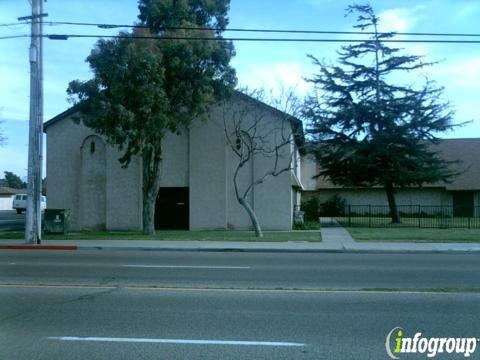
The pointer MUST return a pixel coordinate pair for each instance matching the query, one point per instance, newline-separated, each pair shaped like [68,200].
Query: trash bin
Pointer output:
[56,221]
[299,217]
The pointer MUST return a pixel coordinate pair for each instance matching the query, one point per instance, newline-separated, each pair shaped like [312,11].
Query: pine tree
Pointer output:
[369,130]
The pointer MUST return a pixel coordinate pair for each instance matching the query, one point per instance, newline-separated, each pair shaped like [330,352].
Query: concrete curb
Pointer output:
[411,251]
[219,248]
[247,250]
[277,250]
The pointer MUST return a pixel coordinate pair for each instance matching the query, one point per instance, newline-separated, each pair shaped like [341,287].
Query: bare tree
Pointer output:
[253,133]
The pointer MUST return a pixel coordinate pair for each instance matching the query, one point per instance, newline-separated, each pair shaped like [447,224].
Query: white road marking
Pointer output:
[187,267]
[177,341]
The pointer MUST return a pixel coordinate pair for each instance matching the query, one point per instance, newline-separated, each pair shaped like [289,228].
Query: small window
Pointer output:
[92,147]
[24,197]
[18,197]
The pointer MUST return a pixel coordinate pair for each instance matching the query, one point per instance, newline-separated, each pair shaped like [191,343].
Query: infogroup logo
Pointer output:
[397,343]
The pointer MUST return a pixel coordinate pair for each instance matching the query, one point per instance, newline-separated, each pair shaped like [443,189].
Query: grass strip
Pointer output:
[415,235]
[179,235]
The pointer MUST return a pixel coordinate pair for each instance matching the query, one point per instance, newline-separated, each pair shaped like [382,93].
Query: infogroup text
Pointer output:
[397,343]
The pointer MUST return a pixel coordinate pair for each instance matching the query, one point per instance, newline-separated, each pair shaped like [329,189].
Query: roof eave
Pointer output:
[59,117]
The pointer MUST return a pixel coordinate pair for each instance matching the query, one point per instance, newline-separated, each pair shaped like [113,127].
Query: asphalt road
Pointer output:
[242,270]
[156,305]
[11,221]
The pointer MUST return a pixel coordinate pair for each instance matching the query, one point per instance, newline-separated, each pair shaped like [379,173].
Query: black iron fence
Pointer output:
[420,216]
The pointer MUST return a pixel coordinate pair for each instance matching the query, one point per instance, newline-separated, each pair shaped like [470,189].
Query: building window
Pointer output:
[92,147]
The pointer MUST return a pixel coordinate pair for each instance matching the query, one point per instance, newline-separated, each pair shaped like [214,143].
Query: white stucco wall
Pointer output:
[273,198]
[198,158]
[64,140]
[122,189]
[175,160]
[308,171]
[208,183]
[123,193]
[213,202]
[6,202]
[410,197]
[92,191]
[237,218]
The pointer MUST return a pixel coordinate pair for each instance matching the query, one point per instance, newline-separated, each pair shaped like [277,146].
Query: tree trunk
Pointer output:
[151,185]
[253,217]
[149,201]
[392,203]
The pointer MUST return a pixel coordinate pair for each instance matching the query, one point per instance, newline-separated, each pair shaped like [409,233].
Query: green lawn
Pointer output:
[313,236]
[307,225]
[425,222]
[415,234]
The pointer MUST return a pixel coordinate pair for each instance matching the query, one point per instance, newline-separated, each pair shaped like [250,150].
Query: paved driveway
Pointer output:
[10,220]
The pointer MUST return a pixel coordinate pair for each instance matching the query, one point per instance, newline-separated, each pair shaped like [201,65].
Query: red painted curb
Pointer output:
[37,247]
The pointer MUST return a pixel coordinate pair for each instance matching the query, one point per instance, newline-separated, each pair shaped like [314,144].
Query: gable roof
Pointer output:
[59,117]
[466,150]
[297,125]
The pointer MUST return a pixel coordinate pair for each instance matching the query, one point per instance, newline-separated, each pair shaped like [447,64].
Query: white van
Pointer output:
[20,203]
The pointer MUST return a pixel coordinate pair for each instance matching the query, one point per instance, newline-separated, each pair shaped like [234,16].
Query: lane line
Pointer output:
[187,267]
[178,341]
[246,290]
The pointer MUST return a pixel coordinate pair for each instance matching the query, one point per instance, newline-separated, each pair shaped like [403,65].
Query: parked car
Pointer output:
[20,203]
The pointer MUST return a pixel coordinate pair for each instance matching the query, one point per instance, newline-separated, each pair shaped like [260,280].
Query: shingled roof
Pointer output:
[4,190]
[465,150]
[468,152]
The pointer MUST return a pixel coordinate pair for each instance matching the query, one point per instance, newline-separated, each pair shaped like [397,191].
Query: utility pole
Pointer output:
[33,225]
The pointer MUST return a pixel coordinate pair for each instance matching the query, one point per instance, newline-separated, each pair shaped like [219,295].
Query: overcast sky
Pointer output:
[257,64]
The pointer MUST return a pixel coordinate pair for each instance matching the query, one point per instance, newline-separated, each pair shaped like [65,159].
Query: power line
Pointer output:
[108,26]
[163,38]
[245,39]
[289,31]
[16,23]
[13,37]
[254,30]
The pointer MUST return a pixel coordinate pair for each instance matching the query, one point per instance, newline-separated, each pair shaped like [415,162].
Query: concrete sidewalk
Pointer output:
[334,239]
[184,245]
[339,236]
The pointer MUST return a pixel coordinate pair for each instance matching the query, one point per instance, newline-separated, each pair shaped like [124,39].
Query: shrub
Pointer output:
[335,206]
[307,225]
[311,208]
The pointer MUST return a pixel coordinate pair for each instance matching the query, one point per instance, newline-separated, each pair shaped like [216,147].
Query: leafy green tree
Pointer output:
[144,88]
[311,208]
[13,181]
[367,128]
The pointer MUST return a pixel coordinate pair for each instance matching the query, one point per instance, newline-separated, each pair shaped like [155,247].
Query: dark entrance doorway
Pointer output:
[463,203]
[171,208]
